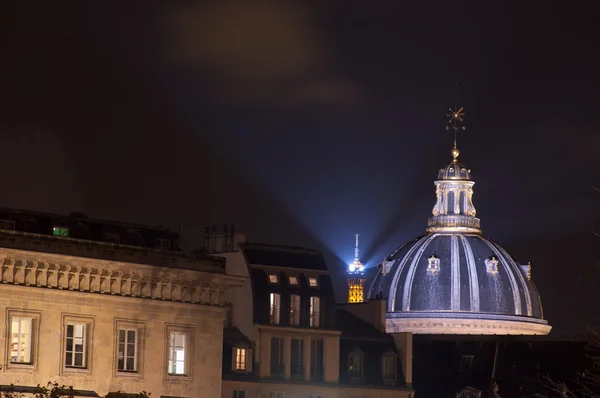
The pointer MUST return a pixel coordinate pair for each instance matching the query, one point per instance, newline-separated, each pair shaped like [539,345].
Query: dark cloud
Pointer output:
[255,52]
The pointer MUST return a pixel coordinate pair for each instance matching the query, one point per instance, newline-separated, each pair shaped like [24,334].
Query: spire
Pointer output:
[454,210]
[356,278]
[356,266]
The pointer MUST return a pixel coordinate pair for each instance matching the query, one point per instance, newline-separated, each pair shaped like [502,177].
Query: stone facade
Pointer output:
[55,283]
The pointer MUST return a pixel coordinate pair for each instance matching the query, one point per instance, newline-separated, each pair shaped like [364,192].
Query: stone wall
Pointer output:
[104,311]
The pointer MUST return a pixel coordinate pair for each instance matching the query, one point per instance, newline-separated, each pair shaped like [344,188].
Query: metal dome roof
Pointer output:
[460,276]
[453,280]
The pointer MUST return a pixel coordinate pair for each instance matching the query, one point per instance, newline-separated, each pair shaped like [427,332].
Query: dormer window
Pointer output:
[293,280]
[313,282]
[492,265]
[274,279]
[274,308]
[355,366]
[389,367]
[163,244]
[7,224]
[60,231]
[242,359]
[466,361]
[434,264]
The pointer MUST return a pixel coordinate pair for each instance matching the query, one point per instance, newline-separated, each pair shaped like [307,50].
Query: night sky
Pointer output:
[303,123]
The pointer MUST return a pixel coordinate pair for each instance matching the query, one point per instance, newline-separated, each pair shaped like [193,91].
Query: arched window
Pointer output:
[469,392]
[355,366]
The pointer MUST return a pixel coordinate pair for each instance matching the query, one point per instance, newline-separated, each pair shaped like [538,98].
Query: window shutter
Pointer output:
[233,358]
[249,360]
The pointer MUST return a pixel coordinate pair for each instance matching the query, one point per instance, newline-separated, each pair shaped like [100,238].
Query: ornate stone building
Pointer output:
[285,336]
[108,307]
[452,279]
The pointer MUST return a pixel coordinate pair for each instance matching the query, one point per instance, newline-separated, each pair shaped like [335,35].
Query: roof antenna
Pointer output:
[456,123]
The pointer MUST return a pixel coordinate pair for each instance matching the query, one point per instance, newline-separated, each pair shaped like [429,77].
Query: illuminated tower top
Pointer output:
[356,267]
[356,278]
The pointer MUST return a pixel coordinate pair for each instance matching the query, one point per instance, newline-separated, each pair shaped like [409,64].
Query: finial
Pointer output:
[455,124]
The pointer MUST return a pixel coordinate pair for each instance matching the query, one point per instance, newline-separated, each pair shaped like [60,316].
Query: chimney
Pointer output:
[207,239]
[232,244]
[213,240]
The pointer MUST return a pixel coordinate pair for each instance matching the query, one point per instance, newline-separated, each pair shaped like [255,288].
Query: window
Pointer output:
[293,280]
[21,340]
[295,310]
[355,366]
[7,224]
[468,392]
[277,395]
[163,244]
[239,394]
[596,364]
[240,359]
[317,368]
[129,347]
[313,282]
[127,358]
[76,345]
[274,308]
[177,353]
[297,359]
[466,361]
[315,312]
[389,367]
[77,334]
[60,231]
[277,369]
[179,346]
[273,278]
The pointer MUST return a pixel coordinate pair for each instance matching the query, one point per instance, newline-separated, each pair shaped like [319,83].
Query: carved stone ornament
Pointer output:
[491,265]
[434,264]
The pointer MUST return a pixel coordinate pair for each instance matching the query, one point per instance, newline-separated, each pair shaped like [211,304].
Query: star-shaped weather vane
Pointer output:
[457,118]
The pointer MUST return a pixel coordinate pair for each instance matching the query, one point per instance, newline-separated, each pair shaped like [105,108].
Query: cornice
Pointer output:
[69,273]
[465,326]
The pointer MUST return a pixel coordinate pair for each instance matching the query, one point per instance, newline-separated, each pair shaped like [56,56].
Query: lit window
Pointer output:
[21,333]
[273,278]
[466,361]
[76,345]
[313,282]
[355,366]
[315,311]
[389,368]
[239,394]
[293,280]
[295,310]
[177,353]
[274,308]
[60,231]
[240,359]
[127,358]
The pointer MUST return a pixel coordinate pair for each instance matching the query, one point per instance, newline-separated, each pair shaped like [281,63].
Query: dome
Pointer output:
[453,280]
[454,171]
